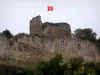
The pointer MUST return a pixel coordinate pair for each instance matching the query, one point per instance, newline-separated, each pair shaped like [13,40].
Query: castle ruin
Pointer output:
[44,41]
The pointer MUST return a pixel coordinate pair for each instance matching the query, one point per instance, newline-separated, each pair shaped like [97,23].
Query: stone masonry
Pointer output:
[44,41]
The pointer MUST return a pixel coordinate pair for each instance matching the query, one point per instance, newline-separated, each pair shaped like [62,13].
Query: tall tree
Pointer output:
[85,34]
[7,33]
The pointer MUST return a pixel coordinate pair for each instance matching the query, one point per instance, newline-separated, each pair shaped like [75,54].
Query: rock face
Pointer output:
[44,41]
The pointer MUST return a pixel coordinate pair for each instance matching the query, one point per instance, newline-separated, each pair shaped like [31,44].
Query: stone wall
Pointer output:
[4,48]
[29,51]
[51,30]
[35,25]
[82,48]
[43,43]
[26,50]
[57,30]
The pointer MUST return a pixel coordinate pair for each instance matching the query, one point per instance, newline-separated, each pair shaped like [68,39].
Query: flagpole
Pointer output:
[47,15]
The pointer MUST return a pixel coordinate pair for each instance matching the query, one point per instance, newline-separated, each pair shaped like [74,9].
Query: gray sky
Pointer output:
[16,14]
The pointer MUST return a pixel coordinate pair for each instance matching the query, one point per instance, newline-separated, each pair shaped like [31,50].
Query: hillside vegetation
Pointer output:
[53,67]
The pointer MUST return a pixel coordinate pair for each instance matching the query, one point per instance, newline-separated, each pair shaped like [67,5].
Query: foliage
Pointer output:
[84,70]
[6,69]
[17,36]
[85,34]
[76,62]
[7,33]
[53,67]
[97,68]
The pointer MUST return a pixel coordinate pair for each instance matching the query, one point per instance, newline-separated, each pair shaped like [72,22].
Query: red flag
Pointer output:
[50,8]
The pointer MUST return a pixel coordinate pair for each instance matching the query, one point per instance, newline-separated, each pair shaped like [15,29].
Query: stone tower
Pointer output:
[35,25]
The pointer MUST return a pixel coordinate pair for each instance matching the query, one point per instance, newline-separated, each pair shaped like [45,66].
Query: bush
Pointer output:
[76,62]
[84,70]
[97,68]
[6,69]
[53,67]
[56,67]
[7,33]
[17,36]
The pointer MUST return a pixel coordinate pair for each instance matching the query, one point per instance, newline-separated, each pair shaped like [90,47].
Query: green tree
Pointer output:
[85,34]
[53,67]
[7,33]
[84,70]
[76,62]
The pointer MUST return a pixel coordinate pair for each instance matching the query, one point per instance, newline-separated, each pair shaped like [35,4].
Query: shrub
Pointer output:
[53,67]
[76,62]
[7,33]
[6,69]
[97,68]
[17,36]
[84,70]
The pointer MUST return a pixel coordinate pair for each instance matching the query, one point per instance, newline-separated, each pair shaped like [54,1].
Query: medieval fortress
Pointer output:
[43,42]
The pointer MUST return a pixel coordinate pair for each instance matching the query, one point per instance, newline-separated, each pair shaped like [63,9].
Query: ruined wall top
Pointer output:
[52,30]
[35,25]
[37,18]
[57,30]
